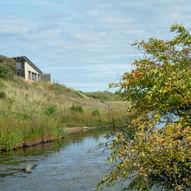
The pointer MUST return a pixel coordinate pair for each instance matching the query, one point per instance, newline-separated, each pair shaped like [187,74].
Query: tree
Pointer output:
[158,152]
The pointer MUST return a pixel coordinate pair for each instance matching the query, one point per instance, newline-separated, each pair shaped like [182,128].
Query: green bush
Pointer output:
[51,109]
[95,112]
[7,67]
[77,108]
[2,95]
[156,156]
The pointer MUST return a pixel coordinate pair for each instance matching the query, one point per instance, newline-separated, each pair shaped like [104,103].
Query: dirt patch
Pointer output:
[77,129]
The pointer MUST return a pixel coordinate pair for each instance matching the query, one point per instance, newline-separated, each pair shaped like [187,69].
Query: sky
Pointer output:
[85,44]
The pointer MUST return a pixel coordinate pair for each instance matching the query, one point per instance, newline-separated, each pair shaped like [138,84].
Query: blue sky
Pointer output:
[85,44]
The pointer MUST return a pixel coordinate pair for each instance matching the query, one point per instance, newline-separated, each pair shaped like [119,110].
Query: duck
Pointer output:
[29,167]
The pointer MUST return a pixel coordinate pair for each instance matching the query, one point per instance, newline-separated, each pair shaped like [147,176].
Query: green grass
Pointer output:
[103,96]
[16,133]
[37,112]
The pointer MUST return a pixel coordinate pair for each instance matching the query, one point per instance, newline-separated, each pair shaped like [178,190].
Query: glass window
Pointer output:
[29,75]
[20,67]
[33,76]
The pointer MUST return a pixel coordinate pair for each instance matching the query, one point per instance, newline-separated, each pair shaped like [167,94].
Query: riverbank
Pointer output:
[78,129]
[68,132]
[39,112]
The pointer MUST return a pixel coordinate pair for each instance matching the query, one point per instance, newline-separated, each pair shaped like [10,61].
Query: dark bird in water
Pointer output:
[28,168]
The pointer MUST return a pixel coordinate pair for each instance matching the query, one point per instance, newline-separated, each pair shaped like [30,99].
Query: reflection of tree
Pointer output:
[94,133]
[13,162]
[49,148]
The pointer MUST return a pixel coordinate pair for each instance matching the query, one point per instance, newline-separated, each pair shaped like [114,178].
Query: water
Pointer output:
[60,166]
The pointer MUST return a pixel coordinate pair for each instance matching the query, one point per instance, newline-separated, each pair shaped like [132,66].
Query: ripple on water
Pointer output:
[61,166]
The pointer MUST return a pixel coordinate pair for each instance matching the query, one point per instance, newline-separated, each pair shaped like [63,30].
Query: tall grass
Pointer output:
[31,113]
[18,133]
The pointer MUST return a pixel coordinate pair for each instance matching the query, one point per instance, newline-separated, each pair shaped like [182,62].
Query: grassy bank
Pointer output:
[38,112]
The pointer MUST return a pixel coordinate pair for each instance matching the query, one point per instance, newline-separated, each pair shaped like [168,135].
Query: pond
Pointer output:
[67,165]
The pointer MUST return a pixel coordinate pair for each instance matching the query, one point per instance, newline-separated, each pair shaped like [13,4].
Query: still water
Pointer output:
[59,166]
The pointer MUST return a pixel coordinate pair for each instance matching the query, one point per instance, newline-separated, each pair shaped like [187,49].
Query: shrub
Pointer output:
[158,154]
[7,67]
[95,112]
[2,95]
[77,108]
[51,109]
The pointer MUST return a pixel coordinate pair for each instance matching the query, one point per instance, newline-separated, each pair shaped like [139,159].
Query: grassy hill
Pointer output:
[103,96]
[33,112]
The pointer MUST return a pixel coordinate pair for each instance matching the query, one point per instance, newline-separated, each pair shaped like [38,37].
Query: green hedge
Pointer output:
[7,67]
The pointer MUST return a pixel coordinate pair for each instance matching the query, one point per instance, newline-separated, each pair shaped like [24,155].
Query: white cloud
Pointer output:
[15,25]
[89,39]
[61,68]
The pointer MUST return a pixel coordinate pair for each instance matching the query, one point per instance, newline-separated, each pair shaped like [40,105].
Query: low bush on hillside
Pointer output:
[96,112]
[51,109]
[2,95]
[77,108]
[7,67]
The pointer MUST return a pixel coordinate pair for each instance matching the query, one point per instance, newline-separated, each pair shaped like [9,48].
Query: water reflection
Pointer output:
[64,165]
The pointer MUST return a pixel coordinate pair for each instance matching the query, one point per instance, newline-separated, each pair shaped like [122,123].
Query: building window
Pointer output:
[29,75]
[33,76]
[20,69]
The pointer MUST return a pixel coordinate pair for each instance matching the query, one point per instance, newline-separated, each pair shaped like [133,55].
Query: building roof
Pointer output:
[24,58]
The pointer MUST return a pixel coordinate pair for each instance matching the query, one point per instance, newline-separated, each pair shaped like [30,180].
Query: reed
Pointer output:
[20,133]
[31,113]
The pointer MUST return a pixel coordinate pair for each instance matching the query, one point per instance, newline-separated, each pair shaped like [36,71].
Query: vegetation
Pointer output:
[154,151]
[95,112]
[77,108]
[103,96]
[38,112]
[7,67]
